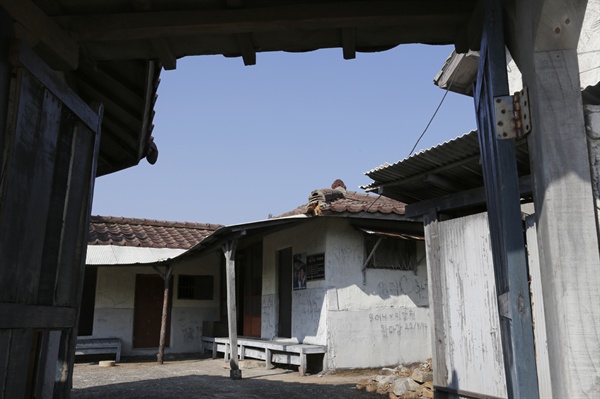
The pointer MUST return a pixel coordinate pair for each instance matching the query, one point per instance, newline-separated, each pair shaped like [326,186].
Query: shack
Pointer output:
[127,262]
[345,271]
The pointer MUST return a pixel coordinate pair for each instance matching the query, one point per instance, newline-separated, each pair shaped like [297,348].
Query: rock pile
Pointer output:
[403,382]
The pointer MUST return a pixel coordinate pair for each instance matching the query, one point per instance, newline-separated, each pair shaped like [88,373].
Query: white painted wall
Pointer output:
[115,294]
[382,323]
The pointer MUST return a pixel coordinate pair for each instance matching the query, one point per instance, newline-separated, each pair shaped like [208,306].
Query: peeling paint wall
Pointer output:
[114,306]
[308,310]
[384,322]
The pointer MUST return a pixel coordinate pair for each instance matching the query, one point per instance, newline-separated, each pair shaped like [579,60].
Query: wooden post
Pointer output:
[229,252]
[544,42]
[165,312]
[436,279]
[501,179]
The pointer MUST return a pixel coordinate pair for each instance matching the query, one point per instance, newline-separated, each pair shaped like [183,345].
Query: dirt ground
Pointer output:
[209,378]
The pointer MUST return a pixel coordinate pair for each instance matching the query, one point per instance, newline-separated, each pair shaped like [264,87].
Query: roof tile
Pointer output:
[148,233]
[338,200]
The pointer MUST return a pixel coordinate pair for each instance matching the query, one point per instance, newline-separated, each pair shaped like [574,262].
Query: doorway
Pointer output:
[147,312]
[284,265]
[249,268]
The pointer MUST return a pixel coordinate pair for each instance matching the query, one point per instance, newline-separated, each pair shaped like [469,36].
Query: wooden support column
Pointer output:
[166,276]
[543,41]
[229,251]
[436,279]
[498,161]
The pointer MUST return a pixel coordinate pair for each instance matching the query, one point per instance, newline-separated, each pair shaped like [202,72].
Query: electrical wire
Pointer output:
[430,120]
[422,134]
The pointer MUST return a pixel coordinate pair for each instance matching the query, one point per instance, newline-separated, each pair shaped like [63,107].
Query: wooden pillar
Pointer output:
[543,41]
[436,278]
[165,313]
[498,162]
[229,252]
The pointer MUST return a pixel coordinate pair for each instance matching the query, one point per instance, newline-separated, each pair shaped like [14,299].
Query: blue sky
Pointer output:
[237,143]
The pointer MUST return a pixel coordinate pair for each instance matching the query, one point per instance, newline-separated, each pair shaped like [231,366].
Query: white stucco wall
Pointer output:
[114,306]
[309,322]
[382,323]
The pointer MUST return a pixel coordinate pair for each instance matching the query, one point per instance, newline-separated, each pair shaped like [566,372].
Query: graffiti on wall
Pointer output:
[397,322]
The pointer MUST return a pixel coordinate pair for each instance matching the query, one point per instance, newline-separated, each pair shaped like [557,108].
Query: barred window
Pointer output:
[391,253]
[195,287]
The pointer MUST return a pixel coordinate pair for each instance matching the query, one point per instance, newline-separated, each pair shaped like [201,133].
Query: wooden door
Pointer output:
[147,312]
[250,268]
[48,153]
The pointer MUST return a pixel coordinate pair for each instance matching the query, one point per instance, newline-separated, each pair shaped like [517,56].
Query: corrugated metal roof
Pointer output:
[447,168]
[103,255]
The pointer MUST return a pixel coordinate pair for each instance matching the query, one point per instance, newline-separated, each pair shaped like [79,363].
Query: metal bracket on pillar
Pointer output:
[512,115]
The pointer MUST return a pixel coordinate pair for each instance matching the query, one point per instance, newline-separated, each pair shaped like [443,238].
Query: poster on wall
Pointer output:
[315,267]
[299,276]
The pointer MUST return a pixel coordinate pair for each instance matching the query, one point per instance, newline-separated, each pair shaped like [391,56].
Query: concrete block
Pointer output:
[106,363]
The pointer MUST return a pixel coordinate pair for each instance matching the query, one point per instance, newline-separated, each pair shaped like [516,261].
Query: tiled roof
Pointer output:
[337,200]
[147,233]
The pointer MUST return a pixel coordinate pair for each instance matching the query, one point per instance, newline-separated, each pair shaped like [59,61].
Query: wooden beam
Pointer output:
[462,200]
[165,55]
[160,45]
[349,43]
[34,316]
[504,213]
[567,234]
[229,248]
[559,24]
[436,278]
[60,50]
[22,56]
[244,41]
[147,25]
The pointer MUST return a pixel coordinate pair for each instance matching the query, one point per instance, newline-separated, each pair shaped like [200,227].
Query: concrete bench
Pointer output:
[99,346]
[269,351]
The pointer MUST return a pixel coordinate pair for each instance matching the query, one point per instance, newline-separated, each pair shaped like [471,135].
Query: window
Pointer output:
[391,253]
[195,287]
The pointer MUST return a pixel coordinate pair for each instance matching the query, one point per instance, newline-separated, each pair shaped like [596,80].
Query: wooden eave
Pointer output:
[97,43]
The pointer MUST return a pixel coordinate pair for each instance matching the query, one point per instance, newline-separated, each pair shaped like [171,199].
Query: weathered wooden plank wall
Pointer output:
[537,310]
[47,174]
[470,344]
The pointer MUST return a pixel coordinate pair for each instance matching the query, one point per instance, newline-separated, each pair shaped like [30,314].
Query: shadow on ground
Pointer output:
[202,387]
[204,379]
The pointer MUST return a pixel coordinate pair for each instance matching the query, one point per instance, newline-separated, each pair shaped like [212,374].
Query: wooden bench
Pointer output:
[269,351]
[99,346]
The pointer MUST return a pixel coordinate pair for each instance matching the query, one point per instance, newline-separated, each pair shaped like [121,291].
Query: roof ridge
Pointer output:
[152,222]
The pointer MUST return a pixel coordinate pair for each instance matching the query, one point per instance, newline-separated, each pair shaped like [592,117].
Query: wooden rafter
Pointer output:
[246,47]
[61,51]
[349,43]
